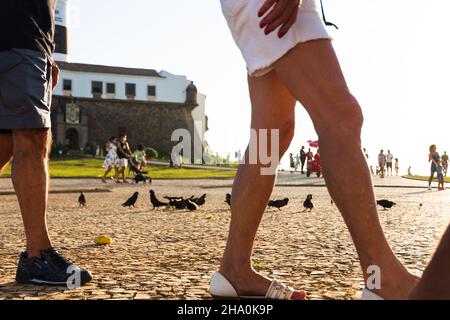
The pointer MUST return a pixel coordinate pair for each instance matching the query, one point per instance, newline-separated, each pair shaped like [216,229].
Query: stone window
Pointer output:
[111,88]
[67,85]
[97,89]
[130,90]
[151,91]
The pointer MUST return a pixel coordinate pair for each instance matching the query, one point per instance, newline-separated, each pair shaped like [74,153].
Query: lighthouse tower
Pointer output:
[61,31]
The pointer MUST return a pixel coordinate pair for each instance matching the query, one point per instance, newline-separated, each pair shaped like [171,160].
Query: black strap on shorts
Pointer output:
[327,23]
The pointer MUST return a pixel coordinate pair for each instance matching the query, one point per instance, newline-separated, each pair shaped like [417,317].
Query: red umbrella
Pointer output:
[313,144]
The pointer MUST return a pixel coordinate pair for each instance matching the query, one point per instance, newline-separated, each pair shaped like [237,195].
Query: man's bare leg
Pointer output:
[312,73]
[272,108]
[6,145]
[30,179]
[435,282]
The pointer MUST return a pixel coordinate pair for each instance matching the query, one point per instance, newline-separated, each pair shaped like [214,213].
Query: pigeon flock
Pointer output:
[192,203]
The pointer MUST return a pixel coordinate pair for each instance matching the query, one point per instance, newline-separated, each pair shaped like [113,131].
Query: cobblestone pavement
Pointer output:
[169,254]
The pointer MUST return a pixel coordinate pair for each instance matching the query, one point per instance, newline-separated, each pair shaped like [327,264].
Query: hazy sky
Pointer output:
[395,55]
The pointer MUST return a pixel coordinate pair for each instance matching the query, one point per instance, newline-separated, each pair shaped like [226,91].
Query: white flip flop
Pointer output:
[369,295]
[221,289]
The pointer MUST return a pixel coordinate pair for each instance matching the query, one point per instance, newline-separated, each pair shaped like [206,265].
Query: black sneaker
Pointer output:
[51,269]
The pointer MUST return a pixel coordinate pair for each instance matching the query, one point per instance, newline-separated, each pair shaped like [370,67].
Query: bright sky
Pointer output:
[394,54]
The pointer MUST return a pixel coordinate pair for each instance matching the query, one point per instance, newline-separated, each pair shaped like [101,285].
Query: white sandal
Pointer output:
[221,288]
[369,295]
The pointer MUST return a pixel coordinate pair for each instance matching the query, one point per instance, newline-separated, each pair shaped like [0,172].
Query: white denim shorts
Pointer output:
[261,51]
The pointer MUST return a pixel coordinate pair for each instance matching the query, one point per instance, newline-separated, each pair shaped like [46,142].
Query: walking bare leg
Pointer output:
[272,108]
[312,73]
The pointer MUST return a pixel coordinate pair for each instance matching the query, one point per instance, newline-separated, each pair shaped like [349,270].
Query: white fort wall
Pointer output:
[170,88]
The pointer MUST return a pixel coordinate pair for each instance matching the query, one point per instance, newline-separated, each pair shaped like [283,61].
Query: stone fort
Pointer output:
[92,103]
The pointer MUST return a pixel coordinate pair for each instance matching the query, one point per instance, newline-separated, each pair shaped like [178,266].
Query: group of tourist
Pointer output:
[300,159]
[118,157]
[386,164]
[439,165]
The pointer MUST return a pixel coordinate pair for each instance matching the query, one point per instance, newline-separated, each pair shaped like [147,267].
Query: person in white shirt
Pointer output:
[382,163]
[239,156]
[389,159]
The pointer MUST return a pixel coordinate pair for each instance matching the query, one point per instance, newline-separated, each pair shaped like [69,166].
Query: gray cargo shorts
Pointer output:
[25,90]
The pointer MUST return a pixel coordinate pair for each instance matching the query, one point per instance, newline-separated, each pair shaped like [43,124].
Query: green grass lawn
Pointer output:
[92,168]
[424,178]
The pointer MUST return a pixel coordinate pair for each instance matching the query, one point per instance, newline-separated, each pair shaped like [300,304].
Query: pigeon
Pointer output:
[385,204]
[82,200]
[131,201]
[173,198]
[155,202]
[192,206]
[308,203]
[228,199]
[278,203]
[199,201]
[141,178]
[178,204]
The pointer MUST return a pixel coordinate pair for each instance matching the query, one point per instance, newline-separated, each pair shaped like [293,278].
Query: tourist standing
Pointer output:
[175,156]
[440,174]
[382,163]
[389,159]
[397,167]
[291,162]
[445,162]
[366,153]
[302,159]
[28,75]
[309,155]
[297,161]
[433,157]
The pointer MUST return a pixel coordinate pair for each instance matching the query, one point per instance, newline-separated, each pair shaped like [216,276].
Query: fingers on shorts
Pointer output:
[25,90]
[261,51]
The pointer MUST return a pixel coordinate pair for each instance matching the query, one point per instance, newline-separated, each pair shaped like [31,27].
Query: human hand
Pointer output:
[278,14]
[55,75]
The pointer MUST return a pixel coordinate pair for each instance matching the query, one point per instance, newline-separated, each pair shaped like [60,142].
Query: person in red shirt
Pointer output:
[309,155]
